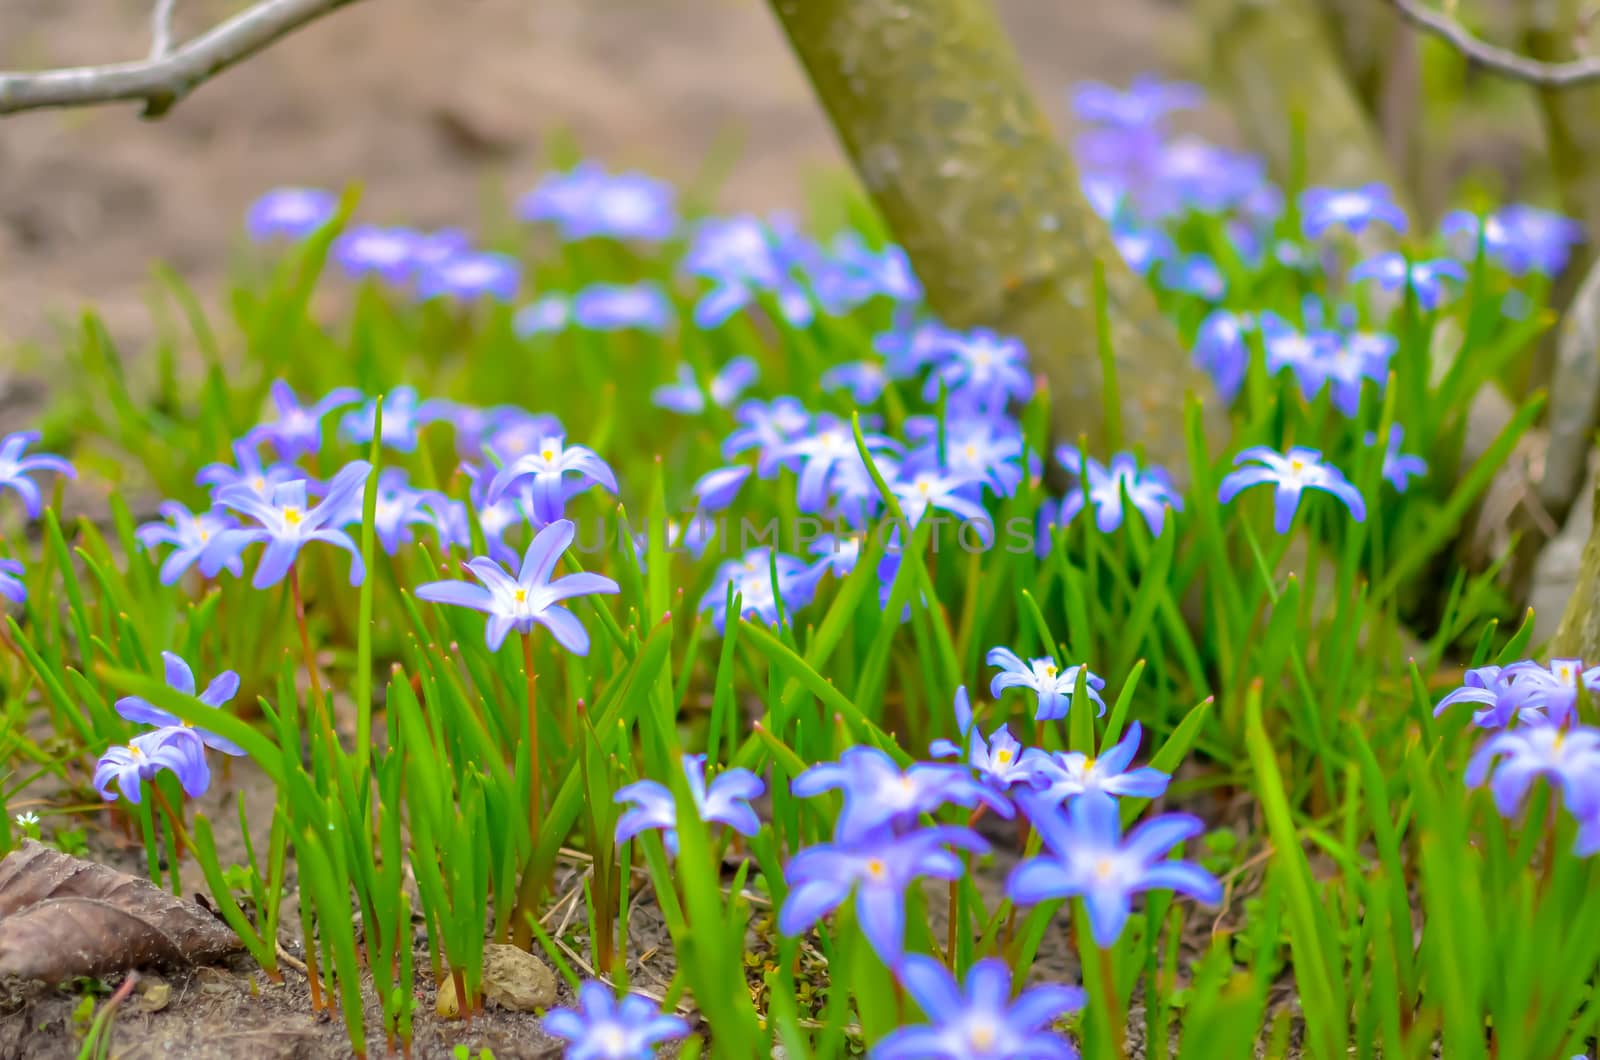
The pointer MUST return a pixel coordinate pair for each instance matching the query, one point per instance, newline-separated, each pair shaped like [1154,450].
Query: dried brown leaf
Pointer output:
[61,917]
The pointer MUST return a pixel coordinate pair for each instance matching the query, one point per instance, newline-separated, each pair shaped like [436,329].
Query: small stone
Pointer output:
[154,995]
[213,981]
[516,980]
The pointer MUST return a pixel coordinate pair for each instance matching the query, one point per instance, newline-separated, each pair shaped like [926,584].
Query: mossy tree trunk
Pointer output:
[929,100]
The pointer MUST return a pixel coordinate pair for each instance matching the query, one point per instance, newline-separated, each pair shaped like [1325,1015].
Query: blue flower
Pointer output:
[986,448]
[587,202]
[518,603]
[1221,351]
[613,307]
[880,798]
[298,428]
[768,428]
[820,878]
[745,249]
[1290,474]
[1053,685]
[1149,490]
[751,579]
[603,1029]
[190,534]
[518,433]
[828,447]
[1306,354]
[1353,362]
[1141,248]
[544,477]
[1194,274]
[1068,774]
[261,479]
[864,381]
[1568,758]
[685,395]
[725,801]
[921,491]
[980,370]
[289,213]
[1146,103]
[470,276]
[399,507]
[1349,208]
[1522,238]
[1089,859]
[716,489]
[404,415]
[982,1021]
[1550,694]
[174,748]
[542,316]
[15,469]
[287,524]
[838,553]
[999,761]
[11,586]
[1398,467]
[1392,272]
[387,253]
[691,536]
[180,678]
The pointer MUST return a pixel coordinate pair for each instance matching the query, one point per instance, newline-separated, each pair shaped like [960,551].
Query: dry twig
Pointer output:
[1500,60]
[169,73]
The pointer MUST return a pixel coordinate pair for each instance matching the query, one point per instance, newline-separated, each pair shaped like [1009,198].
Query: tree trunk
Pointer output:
[929,100]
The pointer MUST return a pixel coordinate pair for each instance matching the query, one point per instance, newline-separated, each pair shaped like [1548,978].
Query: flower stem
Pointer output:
[535,760]
[174,819]
[1116,1024]
[319,704]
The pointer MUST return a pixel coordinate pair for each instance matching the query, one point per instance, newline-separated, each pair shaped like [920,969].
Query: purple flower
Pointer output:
[1306,354]
[686,397]
[298,428]
[542,316]
[1053,685]
[1000,761]
[174,748]
[1398,467]
[716,489]
[289,213]
[287,524]
[438,246]
[982,1021]
[880,798]
[768,428]
[1068,774]
[1352,362]
[261,479]
[1550,694]
[11,586]
[1522,238]
[820,878]
[1392,272]
[613,307]
[1149,490]
[725,801]
[1141,248]
[399,507]
[587,202]
[1146,103]
[822,451]
[986,448]
[180,678]
[518,603]
[980,370]
[1221,351]
[190,534]
[744,249]
[368,250]
[468,277]
[544,478]
[404,415]
[1290,474]
[1349,208]
[751,579]
[602,1028]
[864,381]
[519,433]
[1089,859]
[1193,274]
[1568,758]
[923,491]
[15,469]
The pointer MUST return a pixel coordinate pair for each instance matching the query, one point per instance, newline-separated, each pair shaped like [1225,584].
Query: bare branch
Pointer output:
[161,81]
[161,29]
[1501,61]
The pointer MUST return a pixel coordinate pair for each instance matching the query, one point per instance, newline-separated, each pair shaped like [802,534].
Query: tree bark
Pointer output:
[929,100]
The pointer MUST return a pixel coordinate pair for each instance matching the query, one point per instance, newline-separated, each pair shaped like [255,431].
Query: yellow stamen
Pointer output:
[292,516]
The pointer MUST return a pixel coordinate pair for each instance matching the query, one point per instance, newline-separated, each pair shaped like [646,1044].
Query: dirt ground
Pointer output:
[439,108]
